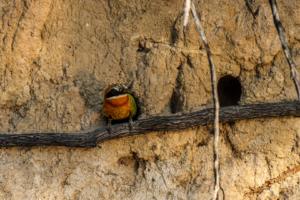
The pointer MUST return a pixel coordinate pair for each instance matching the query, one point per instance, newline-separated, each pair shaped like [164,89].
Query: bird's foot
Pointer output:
[130,123]
[207,126]
[108,127]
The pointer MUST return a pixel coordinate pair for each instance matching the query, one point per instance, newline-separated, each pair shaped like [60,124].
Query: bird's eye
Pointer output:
[113,91]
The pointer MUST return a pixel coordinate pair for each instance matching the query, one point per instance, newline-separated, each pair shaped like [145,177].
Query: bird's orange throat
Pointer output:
[118,100]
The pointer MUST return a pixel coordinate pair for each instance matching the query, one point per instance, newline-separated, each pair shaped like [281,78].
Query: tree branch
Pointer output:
[270,182]
[154,124]
[186,12]
[285,45]
[216,101]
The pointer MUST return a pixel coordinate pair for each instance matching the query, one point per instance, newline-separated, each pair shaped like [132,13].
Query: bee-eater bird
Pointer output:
[119,104]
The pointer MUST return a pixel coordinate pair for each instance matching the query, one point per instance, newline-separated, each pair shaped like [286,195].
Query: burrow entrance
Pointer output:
[229,91]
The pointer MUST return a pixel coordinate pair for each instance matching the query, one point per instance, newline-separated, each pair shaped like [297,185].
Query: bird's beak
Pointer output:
[130,92]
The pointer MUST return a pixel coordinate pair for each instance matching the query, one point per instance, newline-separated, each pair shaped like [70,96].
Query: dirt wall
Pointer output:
[57,57]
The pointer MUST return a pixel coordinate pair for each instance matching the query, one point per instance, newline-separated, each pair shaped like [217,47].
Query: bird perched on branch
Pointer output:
[119,104]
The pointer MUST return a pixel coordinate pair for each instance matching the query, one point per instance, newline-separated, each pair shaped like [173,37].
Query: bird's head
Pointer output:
[116,91]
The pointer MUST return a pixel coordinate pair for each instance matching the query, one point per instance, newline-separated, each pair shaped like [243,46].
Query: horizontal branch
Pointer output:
[153,124]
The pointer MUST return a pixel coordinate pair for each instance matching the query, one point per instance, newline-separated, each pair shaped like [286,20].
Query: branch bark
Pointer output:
[216,102]
[186,12]
[285,45]
[154,124]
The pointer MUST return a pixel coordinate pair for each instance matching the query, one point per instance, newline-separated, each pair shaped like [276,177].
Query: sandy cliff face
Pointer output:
[57,57]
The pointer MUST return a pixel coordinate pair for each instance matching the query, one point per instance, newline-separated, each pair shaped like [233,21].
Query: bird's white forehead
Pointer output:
[116,97]
[118,87]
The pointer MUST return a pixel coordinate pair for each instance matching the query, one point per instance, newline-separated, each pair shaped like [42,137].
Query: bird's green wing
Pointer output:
[133,105]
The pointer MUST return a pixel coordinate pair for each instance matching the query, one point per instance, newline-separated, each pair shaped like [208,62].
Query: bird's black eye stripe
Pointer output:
[112,93]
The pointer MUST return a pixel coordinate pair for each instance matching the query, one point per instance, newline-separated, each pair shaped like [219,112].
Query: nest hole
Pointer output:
[229,91]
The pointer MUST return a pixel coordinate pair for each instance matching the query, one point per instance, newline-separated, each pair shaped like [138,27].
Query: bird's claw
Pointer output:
[207,126]
[108,127]
[130,123]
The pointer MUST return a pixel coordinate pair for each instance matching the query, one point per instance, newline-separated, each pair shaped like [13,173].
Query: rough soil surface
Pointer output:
[57,57]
